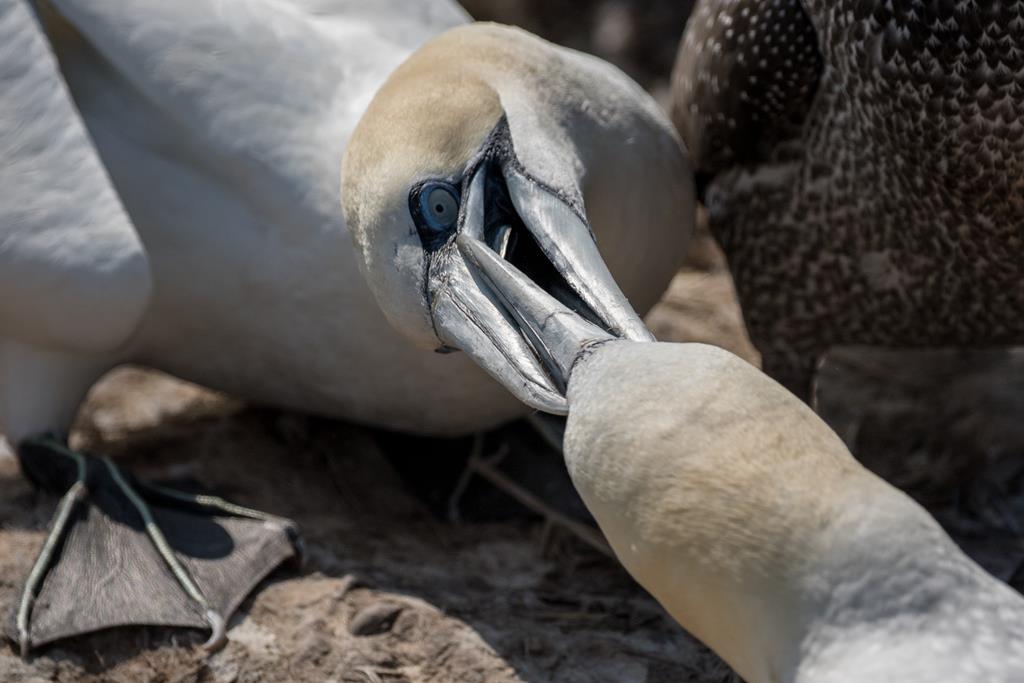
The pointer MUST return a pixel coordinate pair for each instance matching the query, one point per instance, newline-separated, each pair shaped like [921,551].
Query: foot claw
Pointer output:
[218,632]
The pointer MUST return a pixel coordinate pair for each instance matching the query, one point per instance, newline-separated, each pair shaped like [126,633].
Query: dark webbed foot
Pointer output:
[120,552]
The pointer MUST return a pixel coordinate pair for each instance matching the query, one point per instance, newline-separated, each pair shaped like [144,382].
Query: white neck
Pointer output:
[749,520]
[891,597]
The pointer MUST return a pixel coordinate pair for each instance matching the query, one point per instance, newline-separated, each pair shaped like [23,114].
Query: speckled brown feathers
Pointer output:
[893,212]
[747,75]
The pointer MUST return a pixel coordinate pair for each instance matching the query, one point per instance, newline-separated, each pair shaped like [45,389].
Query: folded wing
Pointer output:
[73,272]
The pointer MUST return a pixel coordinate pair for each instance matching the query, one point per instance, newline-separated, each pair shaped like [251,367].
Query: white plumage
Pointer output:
[177,204]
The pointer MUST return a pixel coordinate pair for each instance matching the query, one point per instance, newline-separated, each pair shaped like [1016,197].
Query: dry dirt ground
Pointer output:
[398,589]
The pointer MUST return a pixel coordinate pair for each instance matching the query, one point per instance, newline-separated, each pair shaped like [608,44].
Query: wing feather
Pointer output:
[260,94]
[744,79]
[73,273]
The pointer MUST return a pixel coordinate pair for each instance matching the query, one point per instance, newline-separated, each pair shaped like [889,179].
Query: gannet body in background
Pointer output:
[740,510]
[864,164]
[171,198]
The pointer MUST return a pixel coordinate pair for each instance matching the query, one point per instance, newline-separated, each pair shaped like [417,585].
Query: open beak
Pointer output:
[522,284]
[557,334]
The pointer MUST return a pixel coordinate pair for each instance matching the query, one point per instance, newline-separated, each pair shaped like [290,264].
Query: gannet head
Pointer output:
[537,153]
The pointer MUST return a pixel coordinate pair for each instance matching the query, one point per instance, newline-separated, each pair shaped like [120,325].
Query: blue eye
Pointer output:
[439,206]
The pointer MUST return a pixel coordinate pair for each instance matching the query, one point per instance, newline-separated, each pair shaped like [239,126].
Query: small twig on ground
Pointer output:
[467,473]
[585,533]
[369,674]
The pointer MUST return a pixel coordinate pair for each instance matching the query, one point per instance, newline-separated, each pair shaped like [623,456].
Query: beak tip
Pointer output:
[642,334]
[552,405]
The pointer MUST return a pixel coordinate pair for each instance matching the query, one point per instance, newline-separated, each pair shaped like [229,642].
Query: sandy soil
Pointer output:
[394,589]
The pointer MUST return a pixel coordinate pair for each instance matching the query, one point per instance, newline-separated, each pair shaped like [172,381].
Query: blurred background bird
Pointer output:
[864,170]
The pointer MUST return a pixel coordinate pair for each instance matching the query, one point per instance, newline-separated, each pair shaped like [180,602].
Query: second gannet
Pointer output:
[748,519]
[173,195]
[864,169]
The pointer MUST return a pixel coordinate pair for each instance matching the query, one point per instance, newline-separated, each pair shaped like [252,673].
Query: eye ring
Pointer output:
[439,206]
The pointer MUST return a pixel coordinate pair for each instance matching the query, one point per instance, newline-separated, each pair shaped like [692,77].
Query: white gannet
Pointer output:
[738,508]
[170,197]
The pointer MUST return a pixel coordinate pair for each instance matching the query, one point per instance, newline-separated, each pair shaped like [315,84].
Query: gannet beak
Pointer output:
[555,332]
[523,252]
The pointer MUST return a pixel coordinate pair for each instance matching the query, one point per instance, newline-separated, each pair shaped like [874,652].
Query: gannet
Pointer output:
[863,163]
[171,198]
[748,519]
